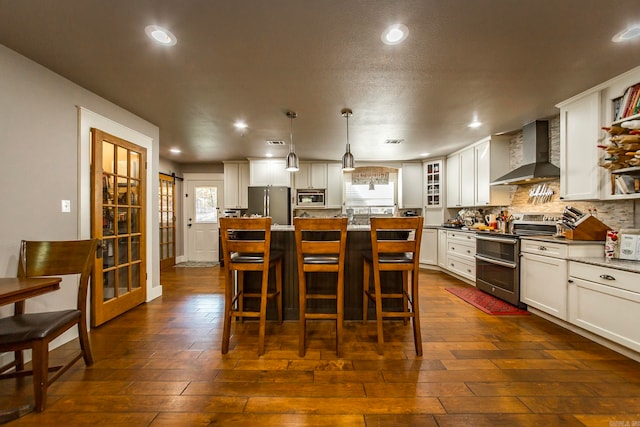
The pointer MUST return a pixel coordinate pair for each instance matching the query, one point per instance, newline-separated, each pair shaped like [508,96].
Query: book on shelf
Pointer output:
[627,184]
[629,104]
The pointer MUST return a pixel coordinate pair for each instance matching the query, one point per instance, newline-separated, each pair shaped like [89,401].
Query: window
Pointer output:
[363,194]
[206,204]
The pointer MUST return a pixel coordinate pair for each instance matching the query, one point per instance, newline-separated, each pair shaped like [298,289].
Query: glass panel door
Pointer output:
[167,221]
[119,278]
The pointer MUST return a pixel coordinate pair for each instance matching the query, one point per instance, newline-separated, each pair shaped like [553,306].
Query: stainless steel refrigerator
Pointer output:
[271,201]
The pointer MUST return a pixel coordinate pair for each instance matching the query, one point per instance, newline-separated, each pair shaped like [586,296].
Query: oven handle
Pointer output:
[497,239]
[495,261]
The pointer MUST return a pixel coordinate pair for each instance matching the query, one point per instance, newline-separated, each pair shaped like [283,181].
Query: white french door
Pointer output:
[202,201]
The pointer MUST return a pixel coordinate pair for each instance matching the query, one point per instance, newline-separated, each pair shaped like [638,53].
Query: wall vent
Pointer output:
[393,141]
[275,142]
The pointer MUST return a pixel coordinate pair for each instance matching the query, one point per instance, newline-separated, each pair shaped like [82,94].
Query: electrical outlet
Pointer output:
[66,206]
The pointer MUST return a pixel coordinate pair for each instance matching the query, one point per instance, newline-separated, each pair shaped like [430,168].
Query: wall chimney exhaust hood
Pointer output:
[535,157]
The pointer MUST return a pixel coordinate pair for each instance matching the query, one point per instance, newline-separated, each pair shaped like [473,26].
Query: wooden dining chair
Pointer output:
[246,247]
[318,251]
[35,331]
[395,246]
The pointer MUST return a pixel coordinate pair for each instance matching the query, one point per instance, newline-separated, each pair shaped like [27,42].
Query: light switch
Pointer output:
[66,206]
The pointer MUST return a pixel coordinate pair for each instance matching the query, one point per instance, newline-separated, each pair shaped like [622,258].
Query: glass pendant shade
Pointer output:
[292,162]
[348,163]
[292,158]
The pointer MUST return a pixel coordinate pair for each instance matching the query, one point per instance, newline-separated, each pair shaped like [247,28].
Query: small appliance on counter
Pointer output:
[629,244]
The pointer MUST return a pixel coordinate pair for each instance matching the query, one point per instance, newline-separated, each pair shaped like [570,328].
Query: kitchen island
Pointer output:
[358,241]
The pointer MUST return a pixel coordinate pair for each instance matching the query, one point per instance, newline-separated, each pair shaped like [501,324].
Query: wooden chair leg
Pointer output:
[19,360]
[228,312]
[279,289]
[85,344]
[365,297]
[40,363]
[376,282]
[417,336]
[339,314]
[240,293]
[263,311]
[405,296]
[302,313]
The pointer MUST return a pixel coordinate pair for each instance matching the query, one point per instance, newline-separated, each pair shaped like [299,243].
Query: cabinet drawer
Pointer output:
[606,276]
[544,248]
[461,249]
[461,236]
[462,266]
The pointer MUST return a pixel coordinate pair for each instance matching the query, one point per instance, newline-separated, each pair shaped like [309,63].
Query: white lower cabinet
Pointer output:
[442,248]
[543,284]
[605,301]
[544,272]
[429,246]
[461,252]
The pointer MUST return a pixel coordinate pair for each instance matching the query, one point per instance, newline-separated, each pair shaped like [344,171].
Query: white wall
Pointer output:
[39,165]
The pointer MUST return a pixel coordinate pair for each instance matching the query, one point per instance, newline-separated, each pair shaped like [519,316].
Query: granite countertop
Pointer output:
[618,264]
[553,239]
[364,227]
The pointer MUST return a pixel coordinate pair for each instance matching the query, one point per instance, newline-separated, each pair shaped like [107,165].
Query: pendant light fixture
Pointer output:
[348,164]
[292,157]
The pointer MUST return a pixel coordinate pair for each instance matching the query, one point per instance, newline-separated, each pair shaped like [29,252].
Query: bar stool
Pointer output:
[391,252]
[246,247]
[318,252]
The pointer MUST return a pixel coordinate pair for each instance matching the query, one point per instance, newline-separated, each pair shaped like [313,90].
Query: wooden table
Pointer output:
[16,290]
[13,289]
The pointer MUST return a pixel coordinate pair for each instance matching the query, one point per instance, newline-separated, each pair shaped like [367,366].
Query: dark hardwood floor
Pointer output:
[160,365]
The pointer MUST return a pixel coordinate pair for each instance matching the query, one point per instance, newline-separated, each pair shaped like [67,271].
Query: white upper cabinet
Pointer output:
[467,177]
[269,172]
[471,170]
[333,195]
[453,181]
[581,121]
[579,133]
[411,185]
[311,175]
[236,183]
[492,162]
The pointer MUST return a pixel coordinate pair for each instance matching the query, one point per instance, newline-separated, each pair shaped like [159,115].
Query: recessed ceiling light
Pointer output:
[630,33]
[425,154]
[475,124]
[161,35]
[395,34]
[240,125]
[175,150]
[269,155]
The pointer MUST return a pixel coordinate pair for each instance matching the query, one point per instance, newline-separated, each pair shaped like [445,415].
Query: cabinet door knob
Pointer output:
[607,277]
[542,248]
[570,281]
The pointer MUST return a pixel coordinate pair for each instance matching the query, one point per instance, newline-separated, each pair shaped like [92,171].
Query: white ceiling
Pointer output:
[507,61]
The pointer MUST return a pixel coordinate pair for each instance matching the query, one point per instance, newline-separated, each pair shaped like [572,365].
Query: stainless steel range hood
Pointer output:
[535,157]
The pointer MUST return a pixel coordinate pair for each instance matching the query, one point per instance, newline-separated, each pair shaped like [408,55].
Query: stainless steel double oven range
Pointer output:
[498,254]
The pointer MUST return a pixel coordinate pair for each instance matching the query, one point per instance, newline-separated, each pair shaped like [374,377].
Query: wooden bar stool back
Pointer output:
[246,244]
[395,246]
[35,331]
[318,251]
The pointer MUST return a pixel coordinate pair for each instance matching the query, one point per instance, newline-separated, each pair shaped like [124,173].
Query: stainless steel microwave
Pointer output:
[310,198]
